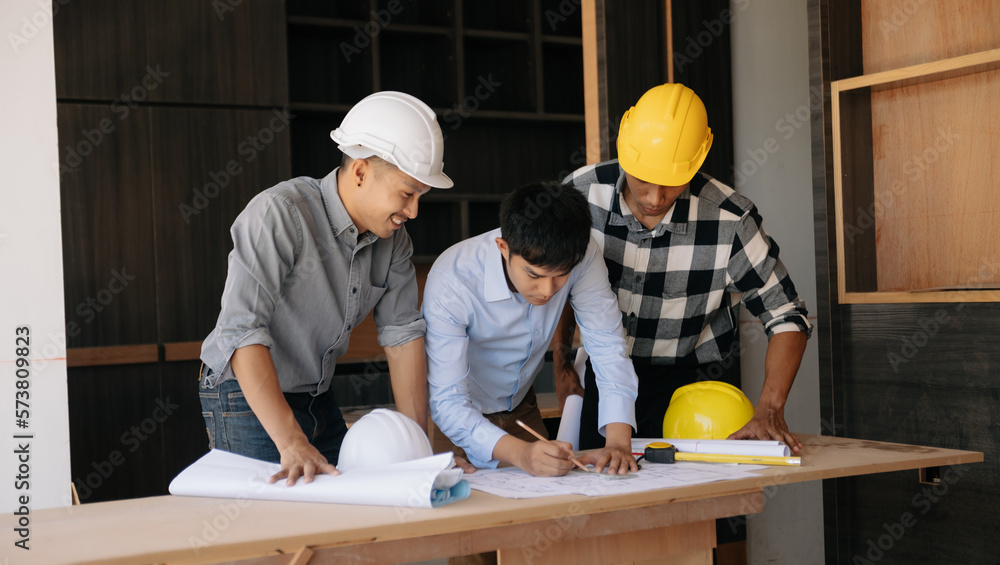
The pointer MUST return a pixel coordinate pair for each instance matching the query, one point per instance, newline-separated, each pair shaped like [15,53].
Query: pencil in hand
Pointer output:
[542,438]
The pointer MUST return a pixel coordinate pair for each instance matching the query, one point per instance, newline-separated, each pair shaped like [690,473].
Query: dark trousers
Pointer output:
[657,384]
[232,426]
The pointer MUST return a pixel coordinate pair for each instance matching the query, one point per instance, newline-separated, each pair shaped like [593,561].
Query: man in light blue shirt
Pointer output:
[492,303]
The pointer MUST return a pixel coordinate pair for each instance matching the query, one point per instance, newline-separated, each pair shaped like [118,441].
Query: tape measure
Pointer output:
[660,452]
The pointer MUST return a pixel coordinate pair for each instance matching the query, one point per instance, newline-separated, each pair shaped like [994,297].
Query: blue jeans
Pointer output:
[232,425]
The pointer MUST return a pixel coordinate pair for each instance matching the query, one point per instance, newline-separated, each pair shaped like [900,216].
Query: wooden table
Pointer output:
[678,522]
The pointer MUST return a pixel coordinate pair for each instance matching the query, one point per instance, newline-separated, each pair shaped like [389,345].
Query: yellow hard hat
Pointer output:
[665,137]
[706,410]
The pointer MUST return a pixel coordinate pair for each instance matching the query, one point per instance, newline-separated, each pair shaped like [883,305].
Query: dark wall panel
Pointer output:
[187,51]
[185,437]
[116,420]
[159,102]
[637,61]
[208,164]
[924,374]
[133,428]
[703,62]
[100,48]
[473,147]
[110,285]
[636,56]
[219,52]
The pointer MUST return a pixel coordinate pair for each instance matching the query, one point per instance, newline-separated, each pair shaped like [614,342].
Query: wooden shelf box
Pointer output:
[915,182]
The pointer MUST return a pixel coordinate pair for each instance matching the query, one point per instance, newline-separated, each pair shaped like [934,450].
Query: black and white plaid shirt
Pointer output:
[680,285]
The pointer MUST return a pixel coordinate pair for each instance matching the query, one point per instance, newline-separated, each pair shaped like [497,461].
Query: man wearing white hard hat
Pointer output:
[311,258]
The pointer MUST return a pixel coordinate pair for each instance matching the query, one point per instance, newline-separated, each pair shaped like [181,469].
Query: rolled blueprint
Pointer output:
[769,448]
[569,423]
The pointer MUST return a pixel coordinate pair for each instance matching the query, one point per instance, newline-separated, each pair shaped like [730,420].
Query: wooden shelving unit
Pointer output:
[851,103]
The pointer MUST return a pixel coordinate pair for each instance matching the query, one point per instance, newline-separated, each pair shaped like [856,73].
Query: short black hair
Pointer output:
[546,223]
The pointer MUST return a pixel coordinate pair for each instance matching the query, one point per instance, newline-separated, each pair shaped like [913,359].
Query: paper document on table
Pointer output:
[511,482]
[766,448]
[421,483]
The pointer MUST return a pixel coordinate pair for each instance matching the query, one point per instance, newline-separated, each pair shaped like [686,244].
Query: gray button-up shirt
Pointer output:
[300,280]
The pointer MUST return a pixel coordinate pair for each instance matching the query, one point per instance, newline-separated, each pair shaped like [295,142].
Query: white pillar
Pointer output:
[34,459]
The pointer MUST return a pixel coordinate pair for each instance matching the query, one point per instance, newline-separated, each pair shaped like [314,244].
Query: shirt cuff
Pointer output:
[218,360]
[615,408]
[391,336]
[484,440]
[793,325]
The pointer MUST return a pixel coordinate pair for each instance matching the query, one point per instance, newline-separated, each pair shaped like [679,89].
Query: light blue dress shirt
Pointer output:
[485,343]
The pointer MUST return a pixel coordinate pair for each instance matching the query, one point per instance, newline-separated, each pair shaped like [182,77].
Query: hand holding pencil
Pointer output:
[544,439]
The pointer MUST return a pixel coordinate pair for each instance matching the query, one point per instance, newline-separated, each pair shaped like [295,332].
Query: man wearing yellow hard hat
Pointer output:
[683,251]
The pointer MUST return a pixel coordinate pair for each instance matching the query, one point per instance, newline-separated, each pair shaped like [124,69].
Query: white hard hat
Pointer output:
[399,128]
[382,437]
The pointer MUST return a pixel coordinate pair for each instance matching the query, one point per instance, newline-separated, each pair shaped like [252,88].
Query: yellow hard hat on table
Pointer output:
[706,410]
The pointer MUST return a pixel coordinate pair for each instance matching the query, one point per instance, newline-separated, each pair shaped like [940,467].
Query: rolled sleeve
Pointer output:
[266,238]
[757,272]
[599,319]
[397,317]
[448,370]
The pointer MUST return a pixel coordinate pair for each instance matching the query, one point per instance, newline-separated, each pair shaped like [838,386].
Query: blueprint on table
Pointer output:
[511,482]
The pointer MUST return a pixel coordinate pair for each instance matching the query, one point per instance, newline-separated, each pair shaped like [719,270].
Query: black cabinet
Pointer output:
[506,84]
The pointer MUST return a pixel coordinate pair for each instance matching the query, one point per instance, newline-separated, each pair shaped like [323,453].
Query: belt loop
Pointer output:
[201,370]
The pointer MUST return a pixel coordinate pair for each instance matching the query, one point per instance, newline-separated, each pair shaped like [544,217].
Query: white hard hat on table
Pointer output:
[382,437]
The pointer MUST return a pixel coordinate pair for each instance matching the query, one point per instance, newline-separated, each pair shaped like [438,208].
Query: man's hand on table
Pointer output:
[769,424]
[617,453]
[464,464]
[301,459]
[618,461]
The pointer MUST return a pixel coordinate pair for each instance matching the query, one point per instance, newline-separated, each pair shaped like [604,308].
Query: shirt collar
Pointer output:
[495,288]
[675,220]
[336,213]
